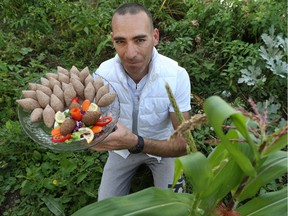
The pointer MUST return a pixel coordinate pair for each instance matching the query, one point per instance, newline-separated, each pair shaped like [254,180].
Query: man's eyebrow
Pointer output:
[140,36]
[136,37]
[118,38]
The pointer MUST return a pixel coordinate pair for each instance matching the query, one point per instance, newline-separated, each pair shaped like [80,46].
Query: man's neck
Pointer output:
[137,77]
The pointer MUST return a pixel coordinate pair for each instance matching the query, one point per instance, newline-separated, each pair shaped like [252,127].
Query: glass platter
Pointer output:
[41,134]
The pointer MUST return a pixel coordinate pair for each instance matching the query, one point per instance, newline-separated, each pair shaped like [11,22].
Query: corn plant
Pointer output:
[227,181]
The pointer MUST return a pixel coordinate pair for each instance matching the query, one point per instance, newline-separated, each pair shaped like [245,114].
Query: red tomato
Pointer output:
[76,99]
[103,121]
[76,113]
[60,138]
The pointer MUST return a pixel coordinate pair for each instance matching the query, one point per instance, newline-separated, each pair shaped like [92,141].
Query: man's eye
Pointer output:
[140,40]
[119,42]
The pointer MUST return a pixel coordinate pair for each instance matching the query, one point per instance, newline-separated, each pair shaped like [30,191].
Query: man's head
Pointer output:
[134,8]
[134,37]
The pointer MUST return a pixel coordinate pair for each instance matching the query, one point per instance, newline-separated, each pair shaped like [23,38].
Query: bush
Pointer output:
[221,44]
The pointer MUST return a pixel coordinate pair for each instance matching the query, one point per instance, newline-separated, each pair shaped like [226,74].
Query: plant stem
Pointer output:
[196,202]
[181,119]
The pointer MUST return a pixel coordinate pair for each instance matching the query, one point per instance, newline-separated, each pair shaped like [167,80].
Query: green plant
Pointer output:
[274,54]
[213,40]
[216,39]
[227,181]
[262,76]
[47,181]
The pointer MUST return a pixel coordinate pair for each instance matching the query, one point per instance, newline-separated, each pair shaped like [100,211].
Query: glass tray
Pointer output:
[41,134]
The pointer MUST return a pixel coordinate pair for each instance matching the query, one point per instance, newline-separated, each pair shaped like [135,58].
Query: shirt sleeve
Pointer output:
[182,92]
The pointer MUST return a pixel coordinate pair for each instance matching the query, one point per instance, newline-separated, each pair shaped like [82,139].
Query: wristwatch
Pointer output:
[138,147]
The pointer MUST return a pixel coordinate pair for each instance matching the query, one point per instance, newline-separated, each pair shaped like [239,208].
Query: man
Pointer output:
[138,73]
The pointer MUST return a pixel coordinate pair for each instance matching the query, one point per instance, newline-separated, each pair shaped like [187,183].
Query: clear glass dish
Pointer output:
[41,134]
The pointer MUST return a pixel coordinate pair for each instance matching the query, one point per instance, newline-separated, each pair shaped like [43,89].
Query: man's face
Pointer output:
[134,39]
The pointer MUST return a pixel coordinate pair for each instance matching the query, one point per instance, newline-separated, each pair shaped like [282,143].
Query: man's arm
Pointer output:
[168,148]
[123,138]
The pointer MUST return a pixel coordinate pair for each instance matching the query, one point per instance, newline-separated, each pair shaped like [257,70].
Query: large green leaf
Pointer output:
[197,170]
[151,201]
[277,145]
[226,176]
[274,166]
[217,111]
[273,203]
[53,205]
[218,155]
[226,172]
[226,179]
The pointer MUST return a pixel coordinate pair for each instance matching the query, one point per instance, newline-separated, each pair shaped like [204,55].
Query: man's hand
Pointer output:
[121,138]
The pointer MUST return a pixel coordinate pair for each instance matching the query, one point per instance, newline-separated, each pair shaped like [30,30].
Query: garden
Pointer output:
[236,55]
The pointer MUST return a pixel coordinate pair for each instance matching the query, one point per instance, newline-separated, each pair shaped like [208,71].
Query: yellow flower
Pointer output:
[54,182]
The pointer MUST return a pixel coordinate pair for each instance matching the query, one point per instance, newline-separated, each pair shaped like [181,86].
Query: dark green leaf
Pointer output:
[81,177]
[273,203]
[196,169]
[68,165]
[26,50]
[103,44]
[277,145]
[53,206]
[226,176]
[36,155]
[274,167]
[217,111]
[151,201]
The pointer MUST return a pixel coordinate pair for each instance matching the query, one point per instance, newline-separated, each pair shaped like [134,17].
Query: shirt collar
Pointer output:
[139,86]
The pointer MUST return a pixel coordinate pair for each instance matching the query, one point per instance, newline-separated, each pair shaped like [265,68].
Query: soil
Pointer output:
[9,201]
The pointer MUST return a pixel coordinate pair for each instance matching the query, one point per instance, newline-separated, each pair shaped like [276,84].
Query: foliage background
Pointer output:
[213,40]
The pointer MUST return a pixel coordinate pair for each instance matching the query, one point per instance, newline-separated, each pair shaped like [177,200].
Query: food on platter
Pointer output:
[48,116]
[78,122]
[71,101]
[52,93]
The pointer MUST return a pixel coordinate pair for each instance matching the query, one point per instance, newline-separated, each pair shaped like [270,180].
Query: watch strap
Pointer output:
[138,147]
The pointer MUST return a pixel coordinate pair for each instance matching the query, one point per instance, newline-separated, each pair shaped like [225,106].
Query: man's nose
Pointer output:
[131,51]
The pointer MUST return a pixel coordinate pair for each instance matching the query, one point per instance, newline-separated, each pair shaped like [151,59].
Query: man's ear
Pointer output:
[111,34]
[156,36]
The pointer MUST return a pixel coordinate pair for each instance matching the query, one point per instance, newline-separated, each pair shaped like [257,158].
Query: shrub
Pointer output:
[218,42]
